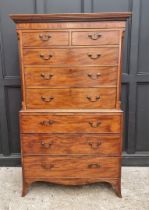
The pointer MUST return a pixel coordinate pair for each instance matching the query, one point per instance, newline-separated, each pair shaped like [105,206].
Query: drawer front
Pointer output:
[63,144]
[95,37]
[80,56]
[78,167]
[70,123]
[45,38]
[74,77]
[71,98]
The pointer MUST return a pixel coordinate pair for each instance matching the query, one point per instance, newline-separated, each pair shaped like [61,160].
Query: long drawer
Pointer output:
[63,144]
[57,123]
[71,166]
[104,98]
[70,76]
[77,56]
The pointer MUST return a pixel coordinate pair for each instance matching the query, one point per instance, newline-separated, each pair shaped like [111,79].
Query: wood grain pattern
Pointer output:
[81,56]
[103,97]
[115,182]
[45,38]
[71,122]
[72,112]
[70,76]
[19,36]
[69,17]
[96,37]
[72,25]
[51,123]
[59,144]
[72,166]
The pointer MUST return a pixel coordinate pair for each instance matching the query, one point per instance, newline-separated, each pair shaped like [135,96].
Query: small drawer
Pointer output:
[63,144]
[95,37]
[80,56]
[71,77]
[71,166]
[72,123]
[103,97]
[45,38]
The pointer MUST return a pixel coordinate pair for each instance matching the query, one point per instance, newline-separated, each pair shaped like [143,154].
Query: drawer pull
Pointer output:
[94,76]
[47,166]
[46,122]
[46,144]
[95,124]
[46,56]
[94,36]
[94,165]
[93,99]
[46,76]
[45,37]
[47,99]
[93,56]
[94,145]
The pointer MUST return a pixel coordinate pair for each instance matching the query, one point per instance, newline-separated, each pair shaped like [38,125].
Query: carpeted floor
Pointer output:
[45,196]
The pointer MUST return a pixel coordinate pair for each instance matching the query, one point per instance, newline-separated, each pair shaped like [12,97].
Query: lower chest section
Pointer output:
[74,145]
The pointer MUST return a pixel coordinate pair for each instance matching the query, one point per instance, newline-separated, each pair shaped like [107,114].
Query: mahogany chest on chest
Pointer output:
[71,121]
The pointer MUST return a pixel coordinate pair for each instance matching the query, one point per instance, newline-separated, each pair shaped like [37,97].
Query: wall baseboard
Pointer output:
[138,159]
[13,160]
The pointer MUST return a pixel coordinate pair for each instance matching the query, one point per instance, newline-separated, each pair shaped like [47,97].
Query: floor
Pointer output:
[44,196]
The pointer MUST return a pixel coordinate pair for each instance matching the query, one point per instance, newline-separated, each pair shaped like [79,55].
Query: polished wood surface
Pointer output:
[120,25]
[80,17]
[59,144]
[70,76]
[71,122]
[72,112]
[96,37]
[69,56]
[73,167]
[102,97]
[45,38]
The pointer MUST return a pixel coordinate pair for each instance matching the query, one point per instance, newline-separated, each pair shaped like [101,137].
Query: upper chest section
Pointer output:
[80,29]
